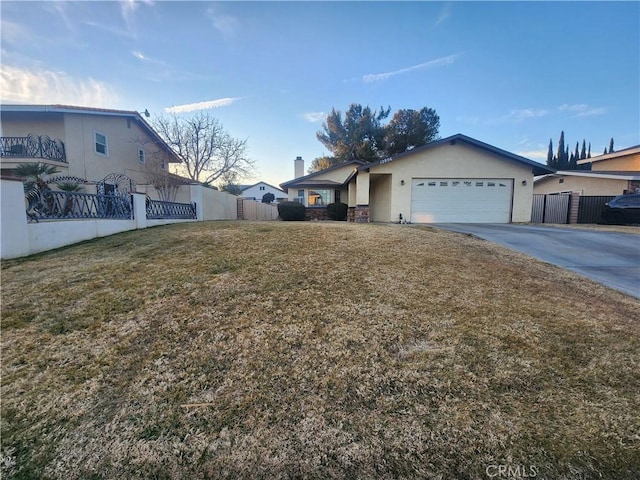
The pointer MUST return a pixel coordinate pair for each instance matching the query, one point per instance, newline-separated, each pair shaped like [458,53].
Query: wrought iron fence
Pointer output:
[56,205]
[34,146]
[157,209]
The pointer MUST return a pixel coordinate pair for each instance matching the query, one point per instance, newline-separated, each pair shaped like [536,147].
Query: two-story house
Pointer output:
[81,142]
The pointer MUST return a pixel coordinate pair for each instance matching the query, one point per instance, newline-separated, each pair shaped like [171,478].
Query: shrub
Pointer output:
[337,211]
[291,211]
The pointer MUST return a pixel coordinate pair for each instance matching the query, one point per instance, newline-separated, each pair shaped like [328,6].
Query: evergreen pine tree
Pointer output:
[583,152]
[589,151]
[576,157]
[572,162]
[605,151]
[611,150]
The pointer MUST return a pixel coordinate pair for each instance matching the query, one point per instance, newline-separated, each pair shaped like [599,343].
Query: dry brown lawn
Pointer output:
[313,350]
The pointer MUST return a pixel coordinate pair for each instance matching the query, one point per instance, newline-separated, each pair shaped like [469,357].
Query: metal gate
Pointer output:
[590,209]
[551,208]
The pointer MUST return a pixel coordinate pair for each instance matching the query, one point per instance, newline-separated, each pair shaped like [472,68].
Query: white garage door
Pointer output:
[461,200]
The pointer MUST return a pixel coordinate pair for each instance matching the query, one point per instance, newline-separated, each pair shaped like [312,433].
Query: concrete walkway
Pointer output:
[609,258]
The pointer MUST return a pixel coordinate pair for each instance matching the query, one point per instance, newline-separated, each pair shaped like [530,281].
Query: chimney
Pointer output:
[298,167]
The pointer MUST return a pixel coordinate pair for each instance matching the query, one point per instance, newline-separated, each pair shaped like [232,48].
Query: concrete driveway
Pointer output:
[609,258]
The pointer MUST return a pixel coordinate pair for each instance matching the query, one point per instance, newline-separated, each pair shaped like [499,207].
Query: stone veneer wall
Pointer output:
[351,214]
[361,214]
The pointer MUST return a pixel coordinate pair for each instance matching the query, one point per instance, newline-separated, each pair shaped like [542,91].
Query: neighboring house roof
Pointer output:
[589,174]
[311,180]
[538,168]
[174,158]
[247,187]
[620,153]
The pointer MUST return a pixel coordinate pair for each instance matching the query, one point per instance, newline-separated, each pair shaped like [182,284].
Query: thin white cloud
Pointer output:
[582,110]
[193,107]
[439,62]
[111,29]
[445,13]
[19,85]
[143,58]
[542,154]
[314,117]
[226,25]
[526,113]
[128,9]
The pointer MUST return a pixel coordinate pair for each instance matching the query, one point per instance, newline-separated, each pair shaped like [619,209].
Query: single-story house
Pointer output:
[613,173]
[258,190]
[588,183]
[455,179]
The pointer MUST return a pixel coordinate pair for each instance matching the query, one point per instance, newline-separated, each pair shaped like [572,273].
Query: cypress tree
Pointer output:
[589,151]
[611,145]
[566,159]
[550,159]
[583,152]
[576,157]
[561,159]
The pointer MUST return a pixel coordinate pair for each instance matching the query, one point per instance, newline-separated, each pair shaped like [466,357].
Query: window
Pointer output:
[262,187]
[319,197]
[300,198]
[141,156]
[101,144]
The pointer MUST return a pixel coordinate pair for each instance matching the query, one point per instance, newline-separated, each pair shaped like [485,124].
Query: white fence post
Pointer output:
[196,195]
[140,209]
[14,236]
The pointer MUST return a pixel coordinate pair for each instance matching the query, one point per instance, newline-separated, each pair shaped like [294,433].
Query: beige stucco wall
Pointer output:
[76,130]
[124,137]
[628,163]
[20,125]
[380,198]
[453,161]
[583,185]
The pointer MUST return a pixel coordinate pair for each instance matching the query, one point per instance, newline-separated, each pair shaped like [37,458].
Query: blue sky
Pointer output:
[510,74]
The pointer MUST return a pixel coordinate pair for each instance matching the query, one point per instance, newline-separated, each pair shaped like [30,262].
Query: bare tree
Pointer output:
[165,183]
[207,151]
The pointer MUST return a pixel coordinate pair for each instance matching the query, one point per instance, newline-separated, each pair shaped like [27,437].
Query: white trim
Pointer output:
[563,173]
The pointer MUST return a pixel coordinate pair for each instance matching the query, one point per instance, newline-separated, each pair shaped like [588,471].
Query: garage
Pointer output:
[461,200]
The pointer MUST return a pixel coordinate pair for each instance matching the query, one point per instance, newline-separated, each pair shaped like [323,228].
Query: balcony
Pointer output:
[33,146]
